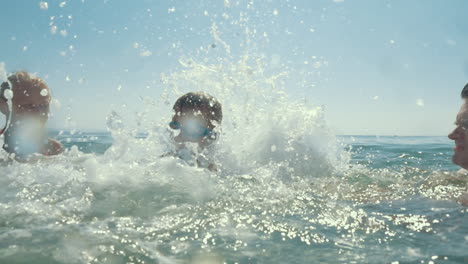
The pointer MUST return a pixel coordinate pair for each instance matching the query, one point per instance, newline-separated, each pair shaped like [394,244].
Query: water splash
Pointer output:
[286,191]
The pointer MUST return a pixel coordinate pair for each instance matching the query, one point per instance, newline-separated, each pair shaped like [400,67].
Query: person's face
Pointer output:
[193,124]
[460,136]
[31,103]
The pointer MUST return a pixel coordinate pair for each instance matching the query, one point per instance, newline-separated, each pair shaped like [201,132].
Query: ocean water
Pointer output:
[111,198]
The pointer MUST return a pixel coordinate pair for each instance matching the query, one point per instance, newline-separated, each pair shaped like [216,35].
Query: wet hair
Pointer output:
[205,103]
[21,79]
[464,93]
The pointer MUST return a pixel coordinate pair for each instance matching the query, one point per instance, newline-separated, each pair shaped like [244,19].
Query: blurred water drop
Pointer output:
[53,30]
[8,94]
[44,92]
[145,53]
[43,5]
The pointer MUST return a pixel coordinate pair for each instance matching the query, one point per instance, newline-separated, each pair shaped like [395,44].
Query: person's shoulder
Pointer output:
[53,147]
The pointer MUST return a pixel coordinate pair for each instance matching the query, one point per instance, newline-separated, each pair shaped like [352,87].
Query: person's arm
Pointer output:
[53,147]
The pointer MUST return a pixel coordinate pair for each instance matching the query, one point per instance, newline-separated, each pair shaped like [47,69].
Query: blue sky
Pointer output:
[378,67]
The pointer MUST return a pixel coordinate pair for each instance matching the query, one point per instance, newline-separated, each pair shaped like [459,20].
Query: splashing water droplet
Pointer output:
[8,94]
[44,92]
[420,102]
[145,53]
[53,30]
[56,103]
[114,121]
[43,5]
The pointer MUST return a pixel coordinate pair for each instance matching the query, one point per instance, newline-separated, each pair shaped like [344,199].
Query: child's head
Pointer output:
[31,96]
[30,99]
[197,114]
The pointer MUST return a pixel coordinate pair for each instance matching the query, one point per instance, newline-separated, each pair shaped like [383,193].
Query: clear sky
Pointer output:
[378,67]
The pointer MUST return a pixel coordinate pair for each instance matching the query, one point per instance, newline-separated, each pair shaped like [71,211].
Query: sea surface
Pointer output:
[112,198]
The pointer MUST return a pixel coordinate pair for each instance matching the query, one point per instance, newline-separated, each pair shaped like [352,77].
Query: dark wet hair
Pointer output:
[200,101]
[464,93]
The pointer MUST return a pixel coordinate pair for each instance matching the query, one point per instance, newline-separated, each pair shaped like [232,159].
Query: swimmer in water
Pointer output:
[25,131]
[460,136]
[198,117]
